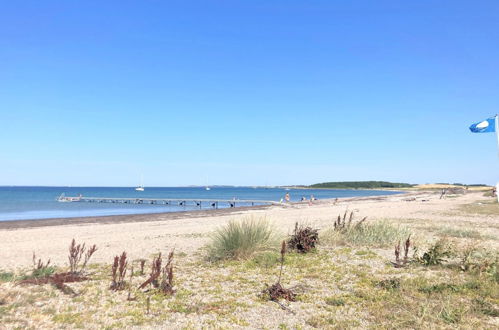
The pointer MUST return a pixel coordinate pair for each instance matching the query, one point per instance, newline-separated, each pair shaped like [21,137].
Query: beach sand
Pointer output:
[338,285]
[142,235]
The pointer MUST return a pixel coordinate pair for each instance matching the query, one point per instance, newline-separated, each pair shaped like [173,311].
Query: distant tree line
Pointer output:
[360,185]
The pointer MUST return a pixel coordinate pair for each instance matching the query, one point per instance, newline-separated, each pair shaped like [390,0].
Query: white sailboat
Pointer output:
[206,186]
[141,187]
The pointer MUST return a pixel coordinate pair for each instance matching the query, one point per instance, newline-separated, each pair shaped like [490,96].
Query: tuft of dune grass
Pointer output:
[461,233]
[372,234]
[242,239]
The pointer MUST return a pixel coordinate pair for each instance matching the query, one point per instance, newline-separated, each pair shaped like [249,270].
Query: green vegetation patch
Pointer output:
[484,208]
[375,234]
[360,185]
[460,233]
[242,239]
[335,301]
[6,276]
[69,318]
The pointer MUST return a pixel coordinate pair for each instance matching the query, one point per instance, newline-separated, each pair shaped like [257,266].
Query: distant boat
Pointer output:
[208,188]
[141,187]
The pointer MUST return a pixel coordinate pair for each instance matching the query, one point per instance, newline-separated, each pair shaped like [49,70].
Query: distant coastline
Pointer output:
[385,185]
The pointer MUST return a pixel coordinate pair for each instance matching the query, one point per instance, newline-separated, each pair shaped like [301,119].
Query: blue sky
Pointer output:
[247,92]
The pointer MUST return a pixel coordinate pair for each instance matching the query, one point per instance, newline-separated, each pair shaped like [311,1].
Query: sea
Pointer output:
[23,203]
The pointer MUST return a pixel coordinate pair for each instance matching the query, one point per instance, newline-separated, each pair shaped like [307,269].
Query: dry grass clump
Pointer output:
[481,260]
[482,208]
[276,292]
[303,239]
[363,233]
[241,239]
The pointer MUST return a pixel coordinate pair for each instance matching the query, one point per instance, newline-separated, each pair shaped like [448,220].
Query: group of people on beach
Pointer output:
[287,198]
[312,198]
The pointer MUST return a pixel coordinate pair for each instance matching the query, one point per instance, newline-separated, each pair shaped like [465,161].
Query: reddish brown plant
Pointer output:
[398,262]
[142,264]
[276,291]
[161,277]
[37,265]
[76,252]
[118,272]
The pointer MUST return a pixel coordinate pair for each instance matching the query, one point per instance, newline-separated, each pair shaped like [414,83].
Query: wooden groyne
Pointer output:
[214,203]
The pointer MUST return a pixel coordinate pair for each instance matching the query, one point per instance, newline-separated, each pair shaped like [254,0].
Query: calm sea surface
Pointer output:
[19,203]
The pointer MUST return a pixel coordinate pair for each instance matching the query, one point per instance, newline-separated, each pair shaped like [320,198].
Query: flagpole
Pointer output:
[497,136]
[497,131]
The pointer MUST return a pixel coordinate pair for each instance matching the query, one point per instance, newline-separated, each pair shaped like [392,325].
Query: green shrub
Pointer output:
[376,234]
[436,253]
[242,239]
[6,276]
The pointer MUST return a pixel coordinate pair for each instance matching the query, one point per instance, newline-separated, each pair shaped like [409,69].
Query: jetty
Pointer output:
[185,202]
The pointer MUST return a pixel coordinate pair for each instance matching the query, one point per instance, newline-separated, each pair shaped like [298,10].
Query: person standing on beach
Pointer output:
[287,198]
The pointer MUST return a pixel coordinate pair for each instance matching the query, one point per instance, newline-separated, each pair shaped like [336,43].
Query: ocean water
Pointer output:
[20,203]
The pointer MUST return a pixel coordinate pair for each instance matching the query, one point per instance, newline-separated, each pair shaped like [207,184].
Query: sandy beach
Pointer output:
[207,292]
[142,235]
[145,234]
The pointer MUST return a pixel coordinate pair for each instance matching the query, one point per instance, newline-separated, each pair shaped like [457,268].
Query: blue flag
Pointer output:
[486,126]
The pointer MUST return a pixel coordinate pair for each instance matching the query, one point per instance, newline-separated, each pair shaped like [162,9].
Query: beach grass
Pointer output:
[373,234]
[462,233]
[487,207]
[242,239]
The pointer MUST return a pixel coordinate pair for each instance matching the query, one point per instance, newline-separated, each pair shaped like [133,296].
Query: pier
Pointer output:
[213,203]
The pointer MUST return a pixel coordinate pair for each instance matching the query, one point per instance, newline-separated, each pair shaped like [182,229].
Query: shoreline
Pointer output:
[26,216]
[123,218]
[165,216]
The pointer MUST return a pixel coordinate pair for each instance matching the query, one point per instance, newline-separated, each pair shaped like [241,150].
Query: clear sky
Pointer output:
[247,92]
